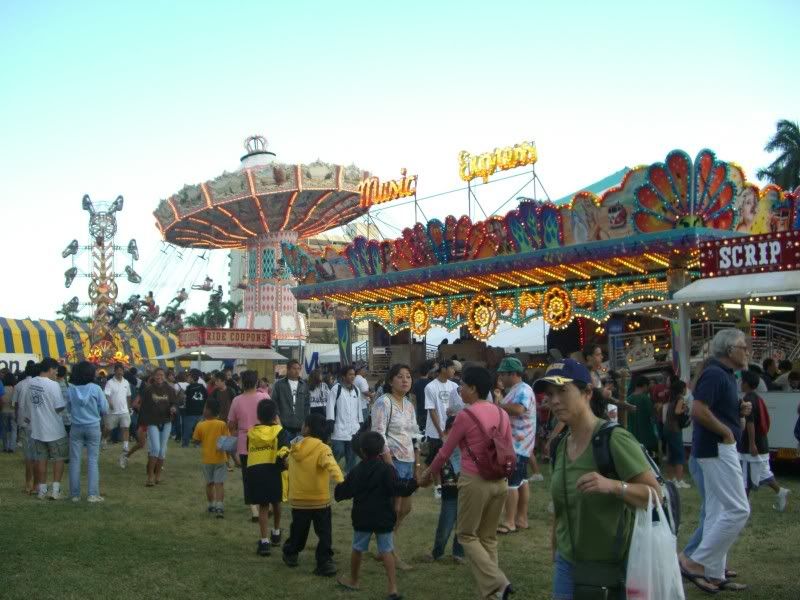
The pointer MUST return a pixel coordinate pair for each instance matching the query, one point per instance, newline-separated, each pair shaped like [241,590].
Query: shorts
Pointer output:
[755,471]
[111,422]
[28,449]
[215,473]
[55,450]
[361,541]
[520,475]
[673,440]
[434,445]
[405,470]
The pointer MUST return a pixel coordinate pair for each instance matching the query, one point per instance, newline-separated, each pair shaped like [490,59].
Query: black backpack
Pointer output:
[604,459]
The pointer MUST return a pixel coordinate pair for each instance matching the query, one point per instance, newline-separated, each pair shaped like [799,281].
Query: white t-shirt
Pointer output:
[346,410]
[21,398]
[293,383]
[118,393]
[44,397]
[439,396]
[362,386]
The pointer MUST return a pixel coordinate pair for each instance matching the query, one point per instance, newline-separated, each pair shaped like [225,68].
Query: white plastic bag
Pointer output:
[653,570]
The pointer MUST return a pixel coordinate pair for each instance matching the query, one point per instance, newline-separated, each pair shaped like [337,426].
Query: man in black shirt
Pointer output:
[196,396]
[716,413]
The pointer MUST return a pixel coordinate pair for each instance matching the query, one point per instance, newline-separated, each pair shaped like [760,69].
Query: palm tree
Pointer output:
[195,320]
[230,308]
[784,170]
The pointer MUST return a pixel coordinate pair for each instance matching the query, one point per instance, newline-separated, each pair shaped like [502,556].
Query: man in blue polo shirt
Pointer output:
[716,413]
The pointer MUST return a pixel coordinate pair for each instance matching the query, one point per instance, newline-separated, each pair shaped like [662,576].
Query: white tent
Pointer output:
[755,285]
[223,353]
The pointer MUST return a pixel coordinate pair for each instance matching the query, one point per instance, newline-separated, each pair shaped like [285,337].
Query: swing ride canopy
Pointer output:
[259,199]
[637,241]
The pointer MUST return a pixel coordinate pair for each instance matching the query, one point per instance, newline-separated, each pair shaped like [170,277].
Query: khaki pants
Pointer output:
[480,504]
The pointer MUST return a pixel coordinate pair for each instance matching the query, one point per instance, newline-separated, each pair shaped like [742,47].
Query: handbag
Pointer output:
[227,443]
[595,580]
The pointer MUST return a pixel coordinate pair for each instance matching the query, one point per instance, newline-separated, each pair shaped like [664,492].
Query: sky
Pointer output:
[139,98]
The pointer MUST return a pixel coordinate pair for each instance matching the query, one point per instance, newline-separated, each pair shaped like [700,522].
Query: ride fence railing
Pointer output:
[647,348]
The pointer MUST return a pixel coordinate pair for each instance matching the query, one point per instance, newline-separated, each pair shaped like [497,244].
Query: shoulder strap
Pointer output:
[601,449]
[389,420]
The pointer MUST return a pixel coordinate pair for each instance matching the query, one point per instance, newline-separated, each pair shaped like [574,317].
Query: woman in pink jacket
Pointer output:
[480,501]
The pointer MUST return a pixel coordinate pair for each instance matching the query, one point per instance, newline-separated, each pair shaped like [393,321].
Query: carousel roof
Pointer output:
[262,197]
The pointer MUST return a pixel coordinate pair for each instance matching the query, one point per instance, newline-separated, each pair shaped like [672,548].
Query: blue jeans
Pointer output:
[342,448]
[189,423]
[563,585]
[177,424]
[81,436]
[157,438]
[447,520]
[697,476]
[8,431]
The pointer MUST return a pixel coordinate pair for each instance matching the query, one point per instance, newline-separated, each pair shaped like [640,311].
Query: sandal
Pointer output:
[504,530]
[149,484]
[727,585]
[731,574]
[346,585]
[701,582]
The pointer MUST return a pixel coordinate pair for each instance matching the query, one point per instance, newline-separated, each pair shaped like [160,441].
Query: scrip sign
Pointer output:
[751,254]
[240,338]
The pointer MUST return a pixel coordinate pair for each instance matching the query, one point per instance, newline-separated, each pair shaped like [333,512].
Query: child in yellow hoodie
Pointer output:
[311,467]
[267,447]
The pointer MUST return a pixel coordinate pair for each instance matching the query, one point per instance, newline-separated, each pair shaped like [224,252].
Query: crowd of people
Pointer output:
[469,433]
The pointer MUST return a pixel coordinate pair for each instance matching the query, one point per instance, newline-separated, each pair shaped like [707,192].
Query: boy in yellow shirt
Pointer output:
[311,467]
[207,433]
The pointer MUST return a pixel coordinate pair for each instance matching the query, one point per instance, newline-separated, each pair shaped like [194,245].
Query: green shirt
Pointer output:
[642,422]
[594,517]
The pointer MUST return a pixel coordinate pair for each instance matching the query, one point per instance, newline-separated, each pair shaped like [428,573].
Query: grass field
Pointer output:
[160,543]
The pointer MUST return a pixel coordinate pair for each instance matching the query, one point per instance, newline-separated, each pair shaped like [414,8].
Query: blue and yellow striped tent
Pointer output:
[60,339]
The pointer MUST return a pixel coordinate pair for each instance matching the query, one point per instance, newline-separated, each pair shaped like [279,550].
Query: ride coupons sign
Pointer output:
[239,338]
[765,253]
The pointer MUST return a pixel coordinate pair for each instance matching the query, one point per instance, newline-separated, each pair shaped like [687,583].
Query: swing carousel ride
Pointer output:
[259,207]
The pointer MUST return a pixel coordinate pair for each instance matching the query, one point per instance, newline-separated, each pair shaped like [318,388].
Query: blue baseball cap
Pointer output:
[565,371]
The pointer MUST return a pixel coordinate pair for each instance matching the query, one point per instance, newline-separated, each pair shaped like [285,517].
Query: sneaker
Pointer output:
[437,492]
[536,477]
[211,510]
[275,538]
[55,495]
[41,495]
[220,513]
[326,569]
[459,560]
[780,505]
[76,498]
[123,461]
[290,560]
[683,485]
[263,548]
[430,558]
[95,499]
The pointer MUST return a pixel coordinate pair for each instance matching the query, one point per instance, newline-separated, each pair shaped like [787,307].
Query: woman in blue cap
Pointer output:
[593,516]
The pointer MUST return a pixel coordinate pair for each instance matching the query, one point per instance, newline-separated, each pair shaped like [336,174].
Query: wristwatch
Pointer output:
[623,490]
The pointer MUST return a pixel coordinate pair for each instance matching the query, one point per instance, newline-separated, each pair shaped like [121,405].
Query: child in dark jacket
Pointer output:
[373,484]
[448,511]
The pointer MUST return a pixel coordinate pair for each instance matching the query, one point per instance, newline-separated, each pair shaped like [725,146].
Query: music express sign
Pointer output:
[751,254]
